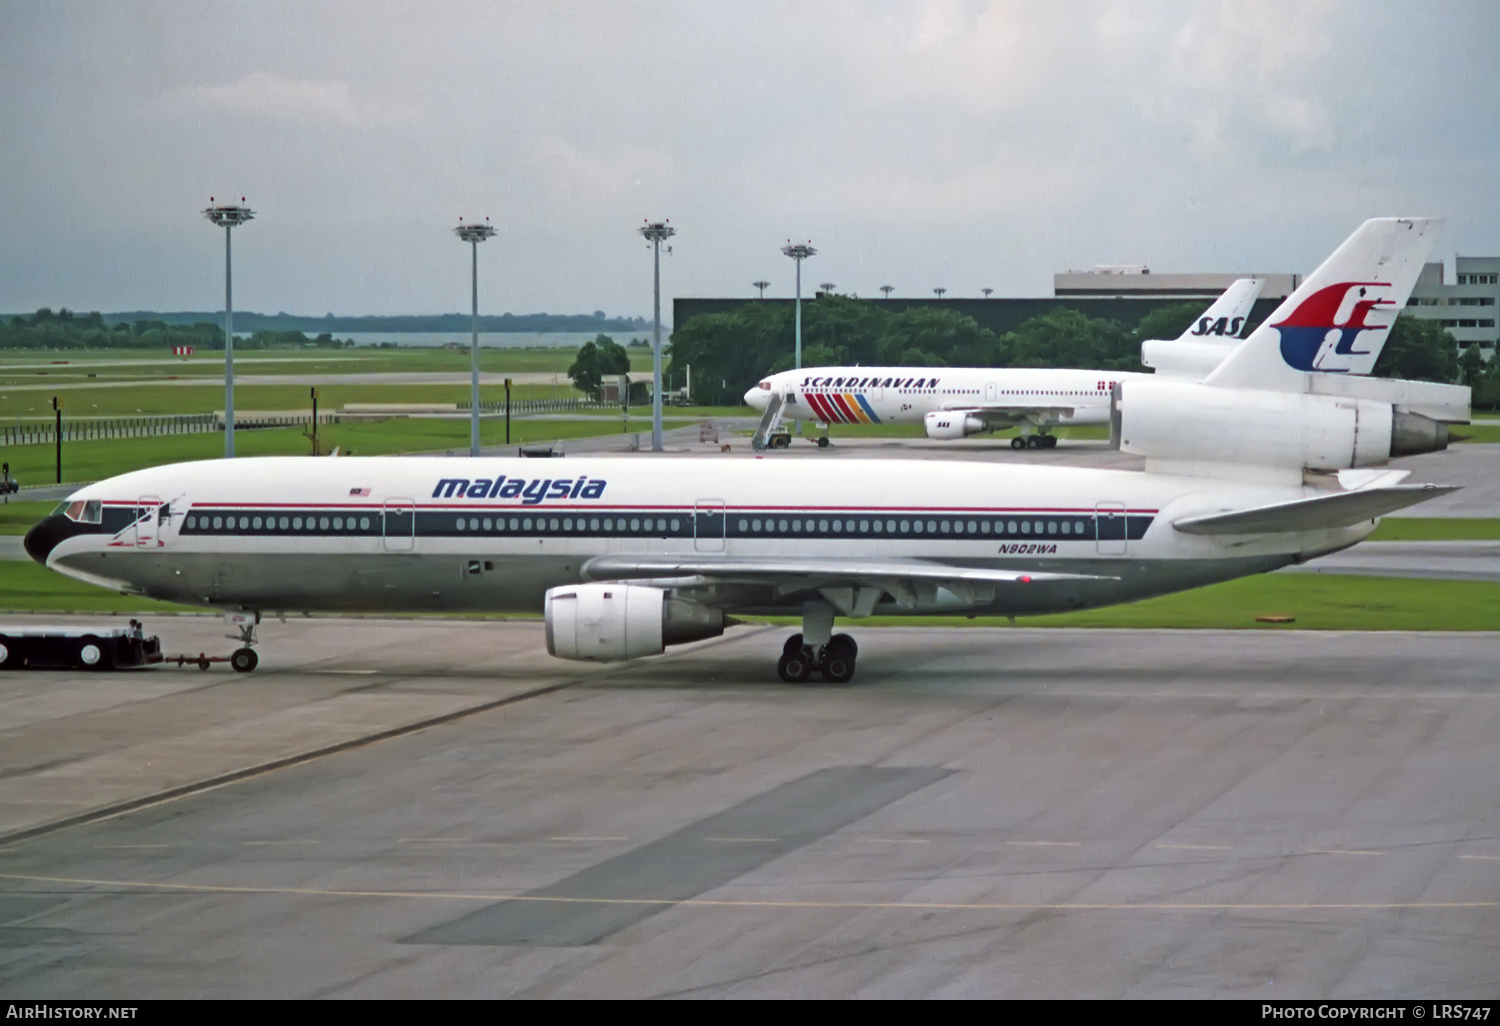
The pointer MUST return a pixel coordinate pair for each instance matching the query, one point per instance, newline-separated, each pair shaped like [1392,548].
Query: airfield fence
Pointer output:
[45,433]
[520,406]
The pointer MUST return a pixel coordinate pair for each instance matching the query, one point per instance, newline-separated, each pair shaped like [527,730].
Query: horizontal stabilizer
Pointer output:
[773,569]
[1317,513]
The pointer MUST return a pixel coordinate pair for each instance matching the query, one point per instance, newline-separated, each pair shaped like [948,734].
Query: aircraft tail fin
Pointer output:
[1341,314]
[1229,314]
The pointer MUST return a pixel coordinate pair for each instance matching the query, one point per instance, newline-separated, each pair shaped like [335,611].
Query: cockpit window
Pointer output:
[764,386]
[83,512]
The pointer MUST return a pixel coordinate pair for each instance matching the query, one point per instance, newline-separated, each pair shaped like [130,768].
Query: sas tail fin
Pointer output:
[1229,314]
[1338,319]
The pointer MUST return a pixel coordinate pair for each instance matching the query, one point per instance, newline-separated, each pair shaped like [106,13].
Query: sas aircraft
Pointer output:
[1257,467]
[959,402]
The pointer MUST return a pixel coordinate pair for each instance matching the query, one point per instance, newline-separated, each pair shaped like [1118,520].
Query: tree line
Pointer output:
[63,329]
[730,352]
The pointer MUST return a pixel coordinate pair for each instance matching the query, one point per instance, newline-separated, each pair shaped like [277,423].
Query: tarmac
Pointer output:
[408,808]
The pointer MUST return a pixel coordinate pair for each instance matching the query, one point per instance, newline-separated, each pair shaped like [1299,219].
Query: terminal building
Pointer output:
[1468,308]
[1135,281]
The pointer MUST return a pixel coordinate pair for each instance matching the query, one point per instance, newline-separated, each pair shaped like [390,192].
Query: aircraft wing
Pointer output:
[853,585]
[1321,511]
[1008,413]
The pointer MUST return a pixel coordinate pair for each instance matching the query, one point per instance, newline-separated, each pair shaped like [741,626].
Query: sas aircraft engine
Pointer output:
[1189,423]
[608,622]
[953,425]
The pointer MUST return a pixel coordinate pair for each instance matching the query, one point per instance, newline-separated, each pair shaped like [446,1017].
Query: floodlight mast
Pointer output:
[474,234]
[228,216]
[799,252]
[762,286]
[656,232]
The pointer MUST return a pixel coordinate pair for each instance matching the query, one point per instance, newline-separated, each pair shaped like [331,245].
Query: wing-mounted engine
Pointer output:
[947,425]
[1189,423]
[608,622]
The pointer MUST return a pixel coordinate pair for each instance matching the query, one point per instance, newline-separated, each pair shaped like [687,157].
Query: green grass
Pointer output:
[1437,529]
[27,587]
[18,517]
[1316,601]
[97,460]
[1477,433]
[360,360]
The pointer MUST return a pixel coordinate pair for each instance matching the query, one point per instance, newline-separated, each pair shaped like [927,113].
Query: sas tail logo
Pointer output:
[1311,335]
[1223,327]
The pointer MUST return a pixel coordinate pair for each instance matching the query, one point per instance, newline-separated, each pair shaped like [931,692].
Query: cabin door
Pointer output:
[709,524]
[1110,534]
[147,526]
[399,525]
[991,392]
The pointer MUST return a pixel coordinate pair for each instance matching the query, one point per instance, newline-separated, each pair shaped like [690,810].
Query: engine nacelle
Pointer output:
[953,425]
[608,622]
[1174,420]
[1174,358]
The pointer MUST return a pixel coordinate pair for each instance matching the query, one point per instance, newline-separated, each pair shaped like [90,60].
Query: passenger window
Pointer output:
[487,523]
[676,524]
[905,527]
[322,523]
[973,527]
[218,523]
[635,524]
[364,523]
[783,527]
[931,527]
[594,524]
[947,527]
[190,523]
[283,523]
[460,523]
[526,524]
[567,523]
[1010,528]
[554,523]
[1051,527]
[754,525]
[796,527]
[609,525]
[1026,527]
[296,523]
[822,526]
[744,525]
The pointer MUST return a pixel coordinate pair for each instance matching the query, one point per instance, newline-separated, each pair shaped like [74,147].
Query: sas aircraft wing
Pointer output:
[853,586]
[1009,414]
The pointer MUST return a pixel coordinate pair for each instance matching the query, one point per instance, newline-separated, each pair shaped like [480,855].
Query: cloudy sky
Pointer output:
[920,144]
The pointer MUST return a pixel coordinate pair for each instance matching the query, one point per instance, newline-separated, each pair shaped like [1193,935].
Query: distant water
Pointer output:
[491,339]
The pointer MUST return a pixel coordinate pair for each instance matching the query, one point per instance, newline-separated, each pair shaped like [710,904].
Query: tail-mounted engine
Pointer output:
[1178,421]
[609,622]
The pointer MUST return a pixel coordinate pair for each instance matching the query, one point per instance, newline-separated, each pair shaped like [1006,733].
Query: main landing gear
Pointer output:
[1034,442]
[243,659]
[817,648]
[834,660]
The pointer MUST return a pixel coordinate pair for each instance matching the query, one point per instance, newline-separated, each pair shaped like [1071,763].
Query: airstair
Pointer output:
[769,422]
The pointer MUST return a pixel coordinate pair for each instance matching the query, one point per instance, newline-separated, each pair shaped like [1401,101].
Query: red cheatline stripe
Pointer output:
[849,415]
[820,406]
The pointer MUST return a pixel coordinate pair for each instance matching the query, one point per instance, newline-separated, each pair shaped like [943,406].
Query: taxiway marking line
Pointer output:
[893,840]
[1341,851]
[262,844]
[564,839]
[434,840]
[127,847]
[743,840]
[1047,844]
[754,903]
[1483,858]
[1197,847]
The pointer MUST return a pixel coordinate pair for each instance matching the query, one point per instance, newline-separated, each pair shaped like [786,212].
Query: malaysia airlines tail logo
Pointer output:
[1312,339]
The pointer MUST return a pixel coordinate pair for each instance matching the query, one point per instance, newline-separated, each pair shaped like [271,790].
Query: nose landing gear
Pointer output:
[835,660]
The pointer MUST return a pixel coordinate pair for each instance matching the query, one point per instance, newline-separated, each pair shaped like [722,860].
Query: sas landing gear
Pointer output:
[1034,442]
[834,660]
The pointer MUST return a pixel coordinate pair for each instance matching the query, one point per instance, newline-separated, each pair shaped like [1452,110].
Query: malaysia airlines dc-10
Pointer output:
[1246,472]
[957,402]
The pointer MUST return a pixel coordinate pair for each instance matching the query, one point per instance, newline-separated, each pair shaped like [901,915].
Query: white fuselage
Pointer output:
[905,395]
[294,534]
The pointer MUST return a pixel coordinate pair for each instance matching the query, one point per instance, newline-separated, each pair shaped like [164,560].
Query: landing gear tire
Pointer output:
[793,645]
[1018,442]
[8,659]
[91,654]
[794,667]
[244,660]
[823,442]
[838,659]
[1049,441]
[1034,442]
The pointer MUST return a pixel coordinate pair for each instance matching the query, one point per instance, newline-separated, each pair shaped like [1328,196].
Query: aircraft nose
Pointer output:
[46,535]
[757,397]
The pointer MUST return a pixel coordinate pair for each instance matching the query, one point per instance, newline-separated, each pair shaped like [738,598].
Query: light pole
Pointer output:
[228,216]
[762,286]
[886,290]
[827,287]
[474,234]
[986,292]
[655,233]
[940,291]
[799,252]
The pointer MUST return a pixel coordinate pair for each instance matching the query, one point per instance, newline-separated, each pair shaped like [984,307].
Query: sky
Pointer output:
[927,144]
